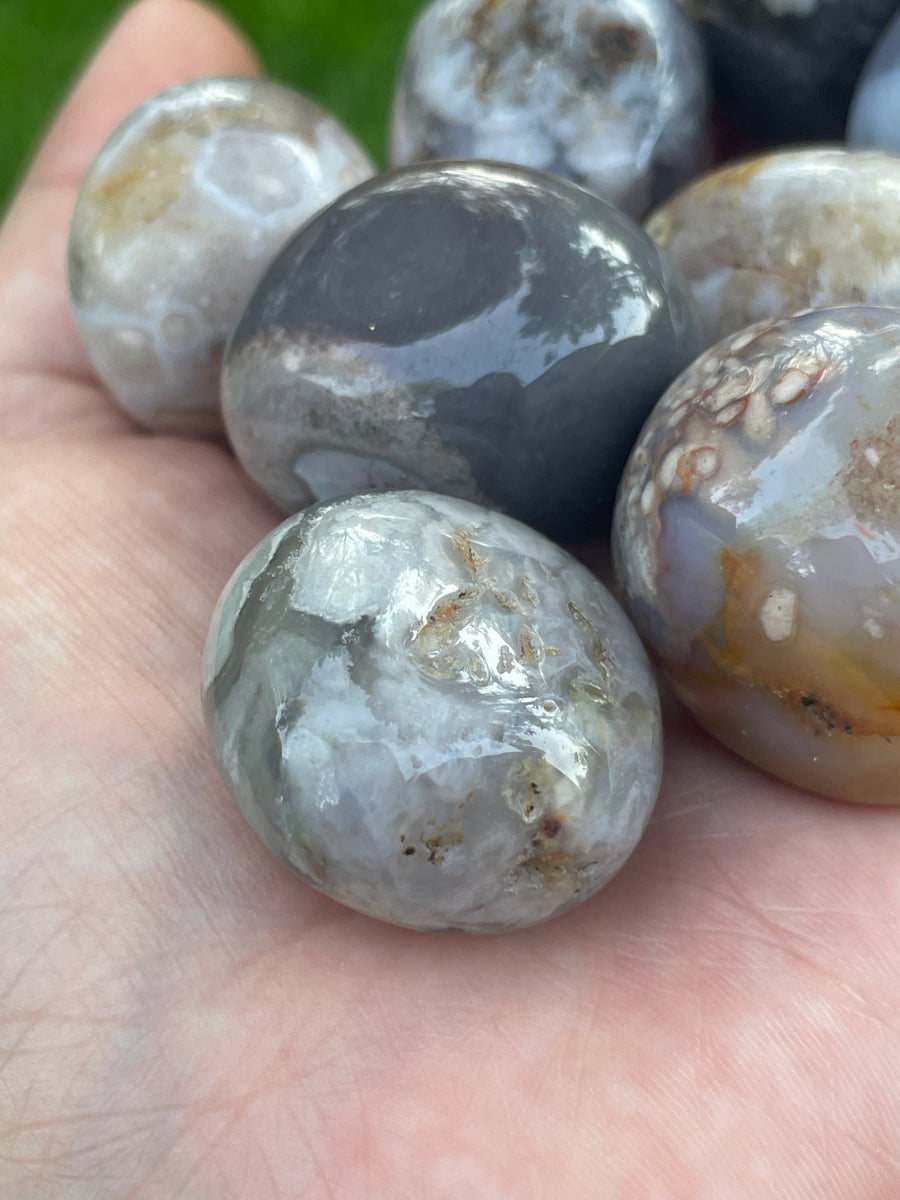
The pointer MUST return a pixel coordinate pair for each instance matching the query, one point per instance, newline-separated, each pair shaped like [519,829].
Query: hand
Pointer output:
[182,1019]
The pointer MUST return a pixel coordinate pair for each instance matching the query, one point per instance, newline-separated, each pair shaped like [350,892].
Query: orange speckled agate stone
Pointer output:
[757,541]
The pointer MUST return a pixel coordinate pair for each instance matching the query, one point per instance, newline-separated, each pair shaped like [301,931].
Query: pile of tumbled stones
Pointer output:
[429,710]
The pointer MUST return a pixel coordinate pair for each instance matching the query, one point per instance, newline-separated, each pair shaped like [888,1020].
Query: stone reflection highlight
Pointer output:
[757,540]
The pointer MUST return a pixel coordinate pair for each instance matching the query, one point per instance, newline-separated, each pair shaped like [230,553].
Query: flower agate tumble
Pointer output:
[431,713]
[757,539]
[788,231]
[875,112]
[476,329]
[786,68]
[179,215]
[610,93]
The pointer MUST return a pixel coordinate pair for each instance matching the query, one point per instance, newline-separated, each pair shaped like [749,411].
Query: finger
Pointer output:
[155,44]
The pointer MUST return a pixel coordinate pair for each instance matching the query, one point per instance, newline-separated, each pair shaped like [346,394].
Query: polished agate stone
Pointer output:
[757,540]
[431,713]
[875,111]
[179,215]
[476,329]
[787,231]
[786,69]
[610,93]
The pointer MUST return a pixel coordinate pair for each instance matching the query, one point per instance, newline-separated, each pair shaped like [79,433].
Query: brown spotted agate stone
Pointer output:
[757,540]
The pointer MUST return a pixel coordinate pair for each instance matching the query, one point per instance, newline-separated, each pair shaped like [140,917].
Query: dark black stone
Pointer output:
[789,77]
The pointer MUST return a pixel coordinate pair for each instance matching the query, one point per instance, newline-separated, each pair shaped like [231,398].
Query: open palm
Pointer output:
[181,1018]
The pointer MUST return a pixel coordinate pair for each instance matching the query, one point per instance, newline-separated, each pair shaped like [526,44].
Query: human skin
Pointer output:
[181,1017]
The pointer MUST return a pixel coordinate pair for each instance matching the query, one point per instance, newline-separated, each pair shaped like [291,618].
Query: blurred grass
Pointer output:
[343,53]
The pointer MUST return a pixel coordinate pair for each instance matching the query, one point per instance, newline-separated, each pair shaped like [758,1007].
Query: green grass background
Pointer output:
[344,53]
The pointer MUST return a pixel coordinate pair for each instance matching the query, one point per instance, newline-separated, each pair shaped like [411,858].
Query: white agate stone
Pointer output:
[783,232]
[180,214]
[431,713]
[612,94]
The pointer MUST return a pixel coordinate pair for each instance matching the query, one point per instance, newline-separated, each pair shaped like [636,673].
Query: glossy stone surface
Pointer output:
[786,68]
[181,212]
[475,329]
[784,232]
[431,713]
[610,93]
[757,539]
[875,111]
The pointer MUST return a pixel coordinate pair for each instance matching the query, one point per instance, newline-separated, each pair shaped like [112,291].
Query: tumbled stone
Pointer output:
[431,713]
[786,68]
[757,540]
[612,94]
[783,232]
[179,215]
[475,329]
[873,119]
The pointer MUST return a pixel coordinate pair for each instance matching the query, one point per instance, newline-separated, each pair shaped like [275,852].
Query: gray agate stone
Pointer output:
[179,215]
[784,232]
[786,69]
[431,713]
[757,540]
[475,329]
[875,111]
[610,93]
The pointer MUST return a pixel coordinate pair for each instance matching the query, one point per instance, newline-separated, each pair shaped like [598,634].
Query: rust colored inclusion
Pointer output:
[818,677]
[872,476]
[550,826]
